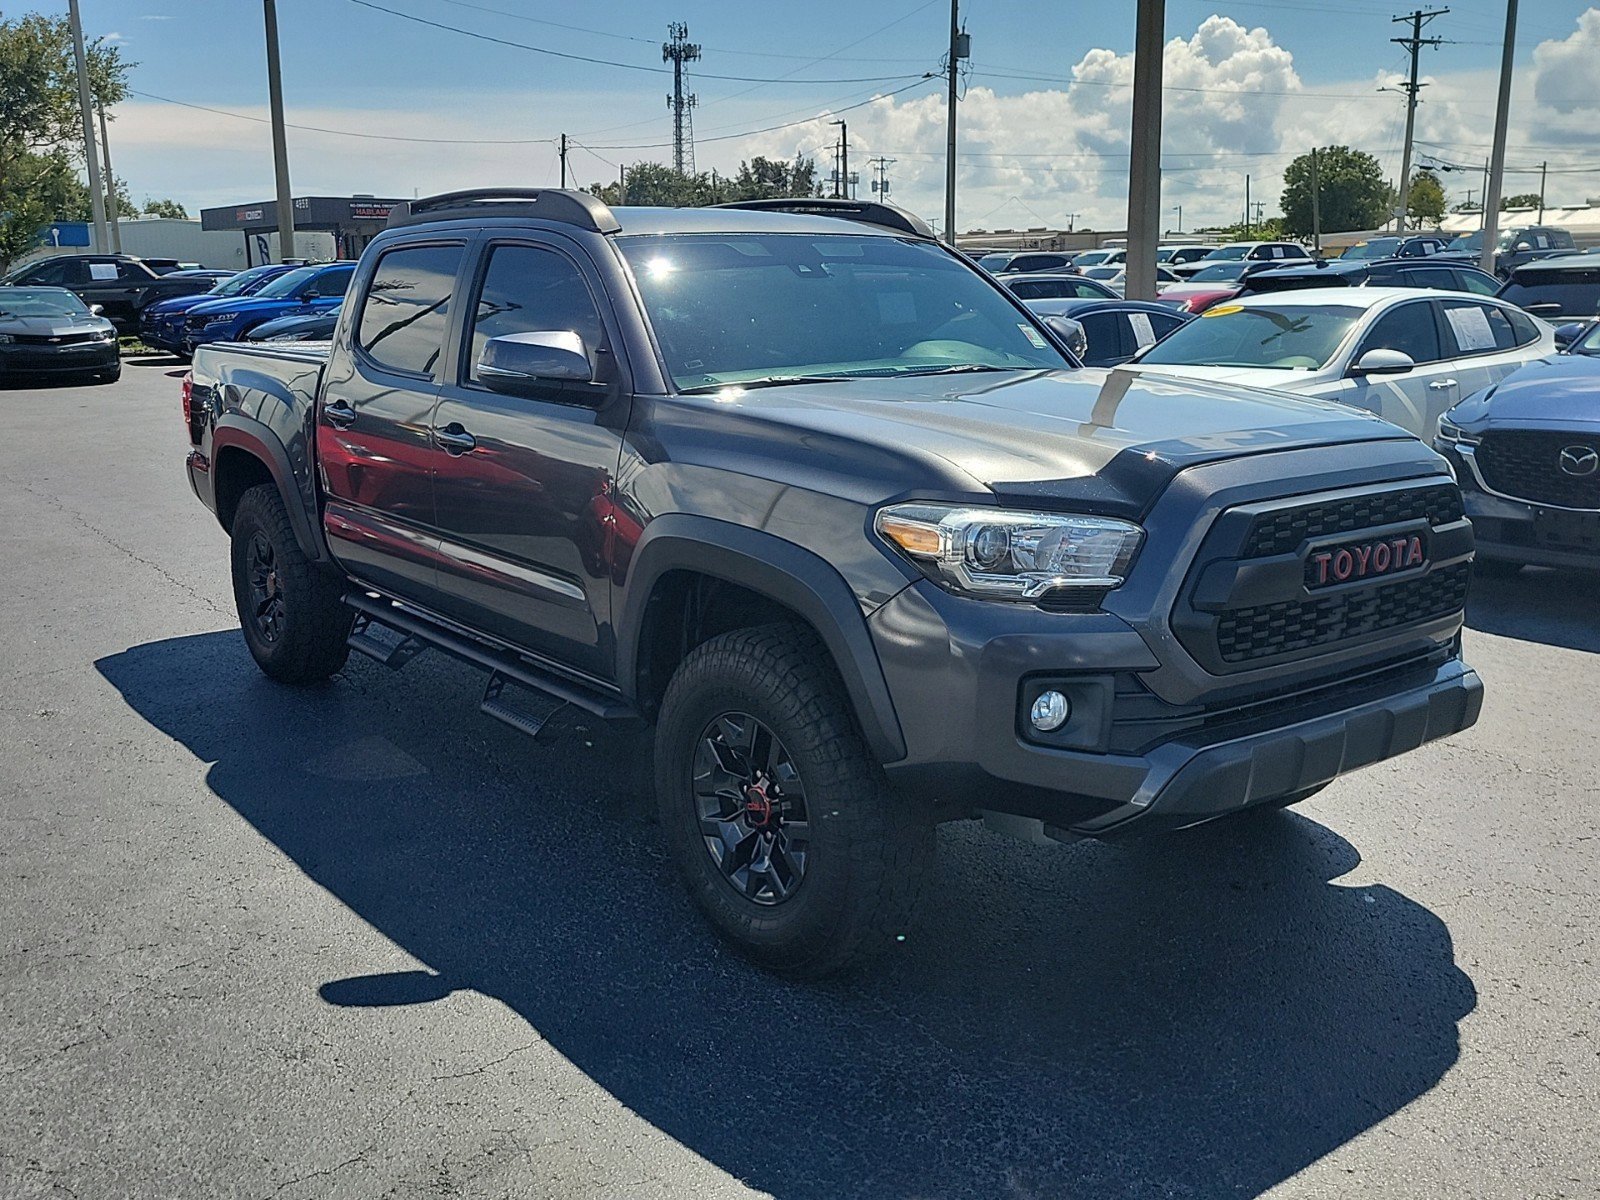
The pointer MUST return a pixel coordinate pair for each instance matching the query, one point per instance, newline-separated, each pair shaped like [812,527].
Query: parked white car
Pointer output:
[1403,354]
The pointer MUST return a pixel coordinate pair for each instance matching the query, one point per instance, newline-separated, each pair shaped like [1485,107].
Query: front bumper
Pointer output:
[962,674]
[1507,529]
[75,359]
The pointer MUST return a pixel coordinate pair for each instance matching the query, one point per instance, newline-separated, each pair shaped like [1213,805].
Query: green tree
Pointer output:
[41,134]
[1351,189]
[763,177]
[1521,200]
[165,208]
[653,183]
[1425,198]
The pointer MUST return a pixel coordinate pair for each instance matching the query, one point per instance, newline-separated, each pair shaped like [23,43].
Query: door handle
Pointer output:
[455,439]
[339,414]
[1439,385]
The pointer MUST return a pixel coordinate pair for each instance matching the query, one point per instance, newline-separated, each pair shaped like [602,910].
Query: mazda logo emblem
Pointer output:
[1580,461]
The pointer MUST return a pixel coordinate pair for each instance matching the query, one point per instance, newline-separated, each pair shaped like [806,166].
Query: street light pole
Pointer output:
[97,199]
[280,149]
[1144,167]
[111,183]
[950,129]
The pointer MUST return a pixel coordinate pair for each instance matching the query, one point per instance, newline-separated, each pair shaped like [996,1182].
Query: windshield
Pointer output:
[287,284]
[1589,343]
[1226,253]
[244,283]
[1219,273]
[1091,258]
[39,302]
[994,262]
[1292,338]
[1376,248]
[769,308]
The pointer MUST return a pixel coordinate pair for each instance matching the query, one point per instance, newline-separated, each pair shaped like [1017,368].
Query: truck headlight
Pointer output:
[1008,555]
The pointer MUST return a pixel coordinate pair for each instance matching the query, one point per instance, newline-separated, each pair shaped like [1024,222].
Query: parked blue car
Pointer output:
[1527,455]
[300,292]
[161,324]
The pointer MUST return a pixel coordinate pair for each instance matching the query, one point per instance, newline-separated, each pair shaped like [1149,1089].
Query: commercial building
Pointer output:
[352,221]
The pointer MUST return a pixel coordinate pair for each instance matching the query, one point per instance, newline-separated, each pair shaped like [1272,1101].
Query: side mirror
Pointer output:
[1070,332]
[1383,362]
[97,310]
[311,294]
[524,364]
[1568,333]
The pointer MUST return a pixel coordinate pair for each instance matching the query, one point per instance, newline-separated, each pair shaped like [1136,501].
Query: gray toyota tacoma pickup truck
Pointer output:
[808,496]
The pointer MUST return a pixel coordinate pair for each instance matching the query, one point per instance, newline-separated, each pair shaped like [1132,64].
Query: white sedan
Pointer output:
[1404,354]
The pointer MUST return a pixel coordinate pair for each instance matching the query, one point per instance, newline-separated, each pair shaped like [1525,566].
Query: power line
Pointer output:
[602,62]
[380,137]
[1413,45]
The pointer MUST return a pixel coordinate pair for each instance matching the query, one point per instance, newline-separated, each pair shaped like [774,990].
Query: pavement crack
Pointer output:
[479,1070]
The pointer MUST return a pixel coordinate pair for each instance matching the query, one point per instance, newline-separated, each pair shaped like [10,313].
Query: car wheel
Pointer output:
[290,609]
[790,840]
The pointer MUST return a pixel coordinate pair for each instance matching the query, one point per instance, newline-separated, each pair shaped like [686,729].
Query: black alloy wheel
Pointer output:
[266,589]
[752,806]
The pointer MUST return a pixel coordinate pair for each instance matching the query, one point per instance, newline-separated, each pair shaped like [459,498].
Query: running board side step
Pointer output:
[394,636]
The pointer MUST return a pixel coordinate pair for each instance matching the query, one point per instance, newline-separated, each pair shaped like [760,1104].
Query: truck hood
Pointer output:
[1099,440]
[1257,378]
[1563,389]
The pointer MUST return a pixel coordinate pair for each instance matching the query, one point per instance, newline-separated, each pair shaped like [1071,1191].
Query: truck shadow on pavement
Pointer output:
[1203,1014]
[1538,605]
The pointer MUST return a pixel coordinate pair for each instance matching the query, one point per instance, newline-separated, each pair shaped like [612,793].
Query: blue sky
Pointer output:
[1254,83]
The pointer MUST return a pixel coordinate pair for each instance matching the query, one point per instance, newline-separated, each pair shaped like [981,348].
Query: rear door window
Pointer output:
[1475,281]
[1409,328]
[1107,336]
[1476,328]
[405,312]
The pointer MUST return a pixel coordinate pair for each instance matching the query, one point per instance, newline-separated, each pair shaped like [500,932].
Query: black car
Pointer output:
[49,331]
[1113,330]
[1516,246]
[123,286]
[1420,246]
[1383,272]
[1557,289]
[1015,262]
[1527,454]
[1045,286]
[313,327]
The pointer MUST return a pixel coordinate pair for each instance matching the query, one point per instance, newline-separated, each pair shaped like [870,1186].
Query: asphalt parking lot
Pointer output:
[363,941]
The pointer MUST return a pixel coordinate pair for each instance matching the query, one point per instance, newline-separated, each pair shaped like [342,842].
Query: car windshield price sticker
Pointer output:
[1033,336]
[1471,326]
[102,270]
[1143,332]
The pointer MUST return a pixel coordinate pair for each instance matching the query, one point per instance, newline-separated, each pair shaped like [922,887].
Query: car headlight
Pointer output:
[6,339]
[1456,435]
[105,335]
[1008,555]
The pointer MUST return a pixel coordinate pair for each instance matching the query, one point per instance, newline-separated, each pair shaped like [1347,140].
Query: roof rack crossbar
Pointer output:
[869,211]
[565,205]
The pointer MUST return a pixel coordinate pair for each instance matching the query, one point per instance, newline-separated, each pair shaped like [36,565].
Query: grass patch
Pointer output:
[131,347]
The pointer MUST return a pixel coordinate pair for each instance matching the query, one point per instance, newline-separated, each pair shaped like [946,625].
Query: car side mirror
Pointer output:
[1568,333]
[1382,361]
[1070,332]
[311,294]
[531,364]
[96,310]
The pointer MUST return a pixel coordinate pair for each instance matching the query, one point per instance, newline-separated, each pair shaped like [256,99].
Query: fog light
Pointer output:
[1050,712]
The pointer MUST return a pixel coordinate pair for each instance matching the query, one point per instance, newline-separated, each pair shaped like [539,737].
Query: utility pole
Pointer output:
[1261,208]
[1316,205]
[1180,218]
[844,159]
[622,184]
[1246,208]
[1543,167]
[111,183]
[563,153]
[960,47]
[880,185]
[677,52]
[1414,44]
[1497,155]
[81,60]
[280,148]
[1144,166]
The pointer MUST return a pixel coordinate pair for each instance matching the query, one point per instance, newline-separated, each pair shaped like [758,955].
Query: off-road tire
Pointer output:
[311,642]
[869,847]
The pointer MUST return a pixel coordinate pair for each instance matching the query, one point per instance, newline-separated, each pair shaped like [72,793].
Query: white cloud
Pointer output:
[1567,71]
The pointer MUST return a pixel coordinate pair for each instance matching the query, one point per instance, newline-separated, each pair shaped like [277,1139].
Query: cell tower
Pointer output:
[678,51]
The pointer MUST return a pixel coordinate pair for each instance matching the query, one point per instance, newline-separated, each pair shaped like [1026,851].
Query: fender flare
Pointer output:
[781,571]
[233,431]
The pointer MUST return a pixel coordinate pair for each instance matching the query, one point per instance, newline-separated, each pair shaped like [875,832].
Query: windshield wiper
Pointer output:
[765,381]
[958,369]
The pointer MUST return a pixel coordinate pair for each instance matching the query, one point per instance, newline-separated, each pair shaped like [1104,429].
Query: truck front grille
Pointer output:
[1527,464]
[1269,630]
[1250,601]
